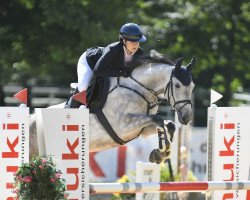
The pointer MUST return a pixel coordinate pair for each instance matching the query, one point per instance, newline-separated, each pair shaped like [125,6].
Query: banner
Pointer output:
[228,148]
[66,136]
[14,146]
[147,172]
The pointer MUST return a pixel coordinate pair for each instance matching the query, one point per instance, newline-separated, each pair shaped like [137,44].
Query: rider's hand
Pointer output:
[127,71]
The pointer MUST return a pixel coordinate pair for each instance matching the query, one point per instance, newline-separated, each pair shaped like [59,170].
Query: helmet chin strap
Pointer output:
[126,47]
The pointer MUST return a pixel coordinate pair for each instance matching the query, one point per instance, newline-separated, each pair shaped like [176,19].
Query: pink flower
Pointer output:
[16,191]
[44,160]
[18,177]
[53,180]
[66,195]
[27,179]
[41,167]
[58,175]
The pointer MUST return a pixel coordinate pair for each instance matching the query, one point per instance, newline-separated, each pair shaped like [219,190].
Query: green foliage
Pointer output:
[165,175]
[44,39]
[39,180]
[216,32]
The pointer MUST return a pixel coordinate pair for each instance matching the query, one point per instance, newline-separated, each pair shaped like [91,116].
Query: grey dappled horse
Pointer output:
[132,105]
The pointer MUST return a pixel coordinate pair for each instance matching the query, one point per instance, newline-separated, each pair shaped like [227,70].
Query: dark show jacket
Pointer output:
[93,54]
[111,63]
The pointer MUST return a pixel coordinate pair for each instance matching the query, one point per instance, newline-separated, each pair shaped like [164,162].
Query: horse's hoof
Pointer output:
[151,157]
[155,156]
[170,126]
[168,155]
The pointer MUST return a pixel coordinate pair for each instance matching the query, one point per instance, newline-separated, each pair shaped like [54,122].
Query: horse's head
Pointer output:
[179,91]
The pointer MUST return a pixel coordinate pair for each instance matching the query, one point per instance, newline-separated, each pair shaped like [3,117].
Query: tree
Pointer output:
[44,39]
[216,32]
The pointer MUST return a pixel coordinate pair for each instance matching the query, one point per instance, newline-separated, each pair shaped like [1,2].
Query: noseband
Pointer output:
[169,90]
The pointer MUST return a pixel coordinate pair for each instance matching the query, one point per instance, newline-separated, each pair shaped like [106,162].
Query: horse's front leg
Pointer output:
[165,136]
[139,121]
[165,130]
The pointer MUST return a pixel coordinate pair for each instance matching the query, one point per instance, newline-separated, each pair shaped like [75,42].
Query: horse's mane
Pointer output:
[183,74]
[153,57]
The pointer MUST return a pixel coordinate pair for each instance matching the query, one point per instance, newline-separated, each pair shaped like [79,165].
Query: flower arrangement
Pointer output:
[39,180]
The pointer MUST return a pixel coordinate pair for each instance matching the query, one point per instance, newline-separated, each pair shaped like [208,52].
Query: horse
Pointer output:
[132,103]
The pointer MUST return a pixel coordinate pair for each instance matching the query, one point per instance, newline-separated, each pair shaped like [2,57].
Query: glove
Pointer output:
[128,71]
[125,72]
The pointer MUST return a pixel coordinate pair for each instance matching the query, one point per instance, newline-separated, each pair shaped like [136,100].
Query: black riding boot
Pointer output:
[72,103]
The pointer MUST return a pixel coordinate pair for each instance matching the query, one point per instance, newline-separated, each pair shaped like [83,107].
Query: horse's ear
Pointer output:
[178,63]
[191,65]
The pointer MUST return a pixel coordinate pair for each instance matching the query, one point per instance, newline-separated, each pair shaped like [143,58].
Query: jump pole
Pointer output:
[199,186]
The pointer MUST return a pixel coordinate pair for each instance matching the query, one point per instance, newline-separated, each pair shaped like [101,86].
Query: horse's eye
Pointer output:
[177,85]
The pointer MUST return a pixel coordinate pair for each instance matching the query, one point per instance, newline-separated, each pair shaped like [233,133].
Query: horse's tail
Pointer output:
[33,137]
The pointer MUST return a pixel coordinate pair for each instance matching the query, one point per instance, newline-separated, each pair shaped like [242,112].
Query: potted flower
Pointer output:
[39,180]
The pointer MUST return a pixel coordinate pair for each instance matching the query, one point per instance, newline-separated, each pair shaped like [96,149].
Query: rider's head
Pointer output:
[131,35]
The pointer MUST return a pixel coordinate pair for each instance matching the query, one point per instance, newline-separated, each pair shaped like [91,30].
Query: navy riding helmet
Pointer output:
[132,32]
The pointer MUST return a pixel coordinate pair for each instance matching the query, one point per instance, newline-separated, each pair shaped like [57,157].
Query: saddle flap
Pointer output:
[97,94]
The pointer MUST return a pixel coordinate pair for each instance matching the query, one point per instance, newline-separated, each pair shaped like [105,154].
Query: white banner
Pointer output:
[14,145]
[66,136]
[228,148]
[198,152]
[147,172]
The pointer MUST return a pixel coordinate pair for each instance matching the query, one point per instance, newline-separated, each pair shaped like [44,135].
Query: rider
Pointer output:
[108,61]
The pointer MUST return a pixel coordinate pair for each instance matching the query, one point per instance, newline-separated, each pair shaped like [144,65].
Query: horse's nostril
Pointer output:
[186,119]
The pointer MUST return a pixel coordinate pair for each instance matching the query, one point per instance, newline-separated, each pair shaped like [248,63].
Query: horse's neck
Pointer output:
[154,76]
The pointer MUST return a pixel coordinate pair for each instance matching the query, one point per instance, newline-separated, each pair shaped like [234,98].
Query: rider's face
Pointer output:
[132,46]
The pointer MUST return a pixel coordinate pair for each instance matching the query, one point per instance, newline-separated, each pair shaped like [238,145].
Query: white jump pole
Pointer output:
[199,186]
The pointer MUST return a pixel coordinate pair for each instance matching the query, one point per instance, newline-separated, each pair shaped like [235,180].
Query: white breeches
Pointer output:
[84,73]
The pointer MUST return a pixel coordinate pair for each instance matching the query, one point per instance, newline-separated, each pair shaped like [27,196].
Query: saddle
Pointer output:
[97,94]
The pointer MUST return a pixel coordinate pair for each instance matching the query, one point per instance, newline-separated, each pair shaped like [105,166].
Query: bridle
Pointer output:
[169,90]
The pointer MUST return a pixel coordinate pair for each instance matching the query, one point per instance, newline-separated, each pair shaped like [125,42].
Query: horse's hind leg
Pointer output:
[33,138]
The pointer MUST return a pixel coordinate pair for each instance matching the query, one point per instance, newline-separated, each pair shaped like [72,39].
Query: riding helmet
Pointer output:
[132,32]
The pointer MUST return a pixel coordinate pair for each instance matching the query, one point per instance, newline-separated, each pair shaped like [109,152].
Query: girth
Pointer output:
[105,123]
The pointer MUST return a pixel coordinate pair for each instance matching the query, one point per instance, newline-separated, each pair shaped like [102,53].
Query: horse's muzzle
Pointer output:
[184,117]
